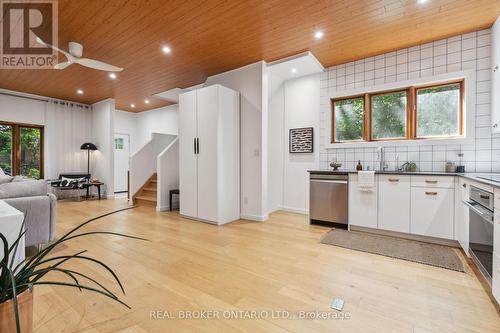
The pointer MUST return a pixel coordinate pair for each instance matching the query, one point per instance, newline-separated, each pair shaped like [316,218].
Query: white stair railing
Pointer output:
[143,163]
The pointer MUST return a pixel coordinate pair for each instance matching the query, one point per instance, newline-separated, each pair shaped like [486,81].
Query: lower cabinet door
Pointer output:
[495,283]
[394,203]
[432,212]
[362,204]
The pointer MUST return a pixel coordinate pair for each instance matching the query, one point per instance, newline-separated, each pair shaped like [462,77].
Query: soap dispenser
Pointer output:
[359,167]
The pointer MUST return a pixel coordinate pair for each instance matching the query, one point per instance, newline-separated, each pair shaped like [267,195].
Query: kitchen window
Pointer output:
[21,149]
[348,123]
[417,112]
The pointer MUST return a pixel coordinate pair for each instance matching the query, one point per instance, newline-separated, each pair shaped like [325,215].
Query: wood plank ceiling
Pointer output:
[209,37]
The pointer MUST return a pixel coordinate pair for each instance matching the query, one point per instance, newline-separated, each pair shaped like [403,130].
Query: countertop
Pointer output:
[471,176]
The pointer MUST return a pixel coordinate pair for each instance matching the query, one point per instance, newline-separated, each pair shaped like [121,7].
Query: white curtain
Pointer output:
[67,127]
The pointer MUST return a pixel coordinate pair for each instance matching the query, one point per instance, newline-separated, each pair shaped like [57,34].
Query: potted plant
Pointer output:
[16,283]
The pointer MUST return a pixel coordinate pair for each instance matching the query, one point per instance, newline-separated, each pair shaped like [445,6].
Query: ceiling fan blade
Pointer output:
[62,65]
[95,64]
[40,41]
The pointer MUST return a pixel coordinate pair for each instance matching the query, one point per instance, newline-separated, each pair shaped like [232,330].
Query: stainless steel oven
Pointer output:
[481,230]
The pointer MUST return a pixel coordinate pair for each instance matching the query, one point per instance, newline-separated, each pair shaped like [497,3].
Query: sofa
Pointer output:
[39,207]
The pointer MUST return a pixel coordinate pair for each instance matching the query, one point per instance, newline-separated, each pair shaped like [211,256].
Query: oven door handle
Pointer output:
[487,217]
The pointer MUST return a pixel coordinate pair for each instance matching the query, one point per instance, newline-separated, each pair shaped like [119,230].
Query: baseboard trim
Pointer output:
[251,217]
[162,208]
[296,210]
[110,196]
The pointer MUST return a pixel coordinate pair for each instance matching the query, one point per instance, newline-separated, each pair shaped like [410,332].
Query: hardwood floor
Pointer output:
[270,266]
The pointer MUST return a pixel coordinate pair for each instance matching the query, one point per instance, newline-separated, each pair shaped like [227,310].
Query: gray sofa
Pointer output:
[39,207]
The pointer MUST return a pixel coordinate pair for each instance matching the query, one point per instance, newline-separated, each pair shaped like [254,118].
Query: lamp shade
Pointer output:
[88,146]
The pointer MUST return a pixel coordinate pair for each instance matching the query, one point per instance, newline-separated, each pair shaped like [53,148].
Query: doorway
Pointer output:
[122,157]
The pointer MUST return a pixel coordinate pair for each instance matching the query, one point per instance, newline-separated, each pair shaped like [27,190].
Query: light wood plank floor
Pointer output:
[275,265]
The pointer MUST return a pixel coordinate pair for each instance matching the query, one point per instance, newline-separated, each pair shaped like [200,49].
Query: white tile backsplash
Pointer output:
[463,52]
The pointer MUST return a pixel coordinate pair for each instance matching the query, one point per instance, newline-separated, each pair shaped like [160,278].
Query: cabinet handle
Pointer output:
[464,185]
[198,145]
[394,180]
[194,142]
[495,125]
[495,68]
[431,181]
[431,193]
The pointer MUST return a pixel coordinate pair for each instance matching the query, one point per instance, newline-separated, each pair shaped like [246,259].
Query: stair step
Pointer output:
[147,194]
[145,201]
[150,189]
[153,181]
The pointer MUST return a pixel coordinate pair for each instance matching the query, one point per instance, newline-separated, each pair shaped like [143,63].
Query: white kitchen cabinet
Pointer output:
[462,214]
[209,159]
[432,212]
[394,203]
[362,204]
[495,279]
[495,77]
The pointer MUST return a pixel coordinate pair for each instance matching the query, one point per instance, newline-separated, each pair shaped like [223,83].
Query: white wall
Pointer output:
[163,120]
[103,137]
[248,81]
[302,105]
[22,110]
[276,143]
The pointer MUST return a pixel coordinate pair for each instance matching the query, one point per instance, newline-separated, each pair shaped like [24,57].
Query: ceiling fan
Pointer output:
[75,57]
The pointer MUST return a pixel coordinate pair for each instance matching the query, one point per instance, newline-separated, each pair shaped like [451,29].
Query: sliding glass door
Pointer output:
[21,149]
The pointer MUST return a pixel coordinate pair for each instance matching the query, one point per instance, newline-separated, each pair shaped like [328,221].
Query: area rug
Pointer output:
[410,250]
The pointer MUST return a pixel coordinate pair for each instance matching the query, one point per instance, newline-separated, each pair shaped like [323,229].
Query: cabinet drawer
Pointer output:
[495,283]
[433,181]
[432,212]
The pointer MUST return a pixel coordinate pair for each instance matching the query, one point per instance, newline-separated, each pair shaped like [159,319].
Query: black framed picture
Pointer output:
[301,140]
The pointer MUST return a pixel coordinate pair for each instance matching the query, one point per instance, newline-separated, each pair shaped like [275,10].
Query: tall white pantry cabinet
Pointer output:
[209,155]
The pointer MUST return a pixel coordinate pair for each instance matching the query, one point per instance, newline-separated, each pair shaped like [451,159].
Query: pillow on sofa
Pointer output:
[5,179]
[28,188]
[2,173]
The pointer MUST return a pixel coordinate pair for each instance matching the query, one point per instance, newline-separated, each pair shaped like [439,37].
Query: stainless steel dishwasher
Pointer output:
[328,199]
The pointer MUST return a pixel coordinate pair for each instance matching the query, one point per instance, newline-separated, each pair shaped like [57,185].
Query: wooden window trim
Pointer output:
[332,122]
[460,112]
[16,152]
[411,113]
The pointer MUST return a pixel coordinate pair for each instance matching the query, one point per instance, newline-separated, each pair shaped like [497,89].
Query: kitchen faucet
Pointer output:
[381,158]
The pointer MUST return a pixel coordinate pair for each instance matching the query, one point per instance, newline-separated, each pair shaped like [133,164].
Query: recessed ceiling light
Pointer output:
[79,92]
[166,49]
[422,1]
[132,105]
[294,70]
[318,34]
[146,101]
[112,76]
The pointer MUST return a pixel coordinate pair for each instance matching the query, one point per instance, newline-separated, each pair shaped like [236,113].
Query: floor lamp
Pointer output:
[88,147]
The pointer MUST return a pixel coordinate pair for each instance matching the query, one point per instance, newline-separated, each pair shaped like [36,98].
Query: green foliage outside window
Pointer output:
[389,115]
[30,152]
[438,111]
[6,148]
[348,119]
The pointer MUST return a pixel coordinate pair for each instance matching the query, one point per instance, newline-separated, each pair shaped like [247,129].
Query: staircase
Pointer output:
[147,195]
